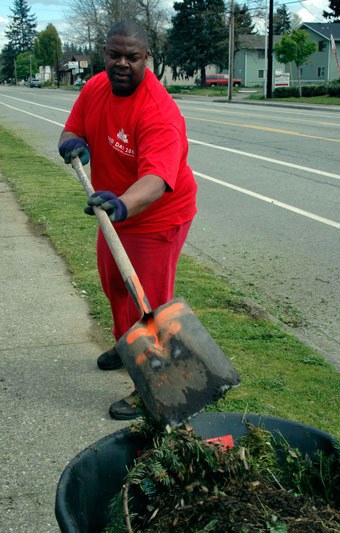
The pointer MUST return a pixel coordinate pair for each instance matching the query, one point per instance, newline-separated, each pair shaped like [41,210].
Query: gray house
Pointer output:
[322,65]
[250,61]
[250,64]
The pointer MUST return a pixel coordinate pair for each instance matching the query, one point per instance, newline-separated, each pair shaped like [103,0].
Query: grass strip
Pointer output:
[280,376]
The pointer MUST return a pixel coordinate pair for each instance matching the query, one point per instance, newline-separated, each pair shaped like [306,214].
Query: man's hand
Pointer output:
[75,147]
[109,202]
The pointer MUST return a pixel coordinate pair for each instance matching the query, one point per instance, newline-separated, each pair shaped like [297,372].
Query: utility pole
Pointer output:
[270,50]
[90,49]
[231,50]
[265,73]
[57,65]
[30,67]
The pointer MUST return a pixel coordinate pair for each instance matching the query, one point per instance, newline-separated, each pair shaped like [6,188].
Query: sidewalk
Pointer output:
[54,400]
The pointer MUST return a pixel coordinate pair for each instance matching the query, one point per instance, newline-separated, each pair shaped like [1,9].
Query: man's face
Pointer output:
[125,60]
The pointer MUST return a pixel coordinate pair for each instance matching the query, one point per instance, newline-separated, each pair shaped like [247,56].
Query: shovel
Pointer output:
[176,366]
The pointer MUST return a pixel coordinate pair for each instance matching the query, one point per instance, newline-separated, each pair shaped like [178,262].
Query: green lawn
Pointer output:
[280,376]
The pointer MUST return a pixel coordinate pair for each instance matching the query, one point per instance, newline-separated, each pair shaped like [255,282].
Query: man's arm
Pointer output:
[143,193]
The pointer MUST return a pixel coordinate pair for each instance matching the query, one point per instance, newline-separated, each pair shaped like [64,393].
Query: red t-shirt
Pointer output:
[132,136]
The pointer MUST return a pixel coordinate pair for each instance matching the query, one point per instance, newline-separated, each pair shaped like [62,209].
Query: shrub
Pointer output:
[315,90]
[286,92]
[334,88]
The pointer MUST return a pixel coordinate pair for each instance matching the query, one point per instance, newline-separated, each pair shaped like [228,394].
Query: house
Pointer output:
[250,60]
[322,66]
[78,67]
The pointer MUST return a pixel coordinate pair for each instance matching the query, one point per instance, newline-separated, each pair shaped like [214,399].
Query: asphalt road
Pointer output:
[269,199]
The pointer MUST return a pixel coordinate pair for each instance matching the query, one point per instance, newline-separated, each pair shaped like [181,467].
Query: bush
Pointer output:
[334,88]
[173,89]
[330,89]
[286,92]
[315,90]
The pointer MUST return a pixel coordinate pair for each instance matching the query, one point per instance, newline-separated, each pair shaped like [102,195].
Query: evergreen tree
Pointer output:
[22,27]
[7,60]
[243,24]
[334,14]
[198,37]
[243,21]
[282,21]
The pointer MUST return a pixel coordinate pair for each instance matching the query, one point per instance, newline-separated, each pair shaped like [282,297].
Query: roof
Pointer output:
[323,29]
[256,42]
[81,57]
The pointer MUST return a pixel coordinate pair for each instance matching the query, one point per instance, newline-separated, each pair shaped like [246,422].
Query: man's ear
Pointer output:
[147,55]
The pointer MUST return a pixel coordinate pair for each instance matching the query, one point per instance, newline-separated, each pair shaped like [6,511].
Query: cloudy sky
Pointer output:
[55,12]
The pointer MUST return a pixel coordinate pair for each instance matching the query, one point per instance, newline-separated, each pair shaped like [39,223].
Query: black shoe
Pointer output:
[126,410]
[109,360]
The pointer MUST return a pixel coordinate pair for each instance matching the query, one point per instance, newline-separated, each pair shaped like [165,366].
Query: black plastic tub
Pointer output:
[92,478]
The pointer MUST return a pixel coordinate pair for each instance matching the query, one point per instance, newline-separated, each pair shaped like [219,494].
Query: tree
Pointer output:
[7,59]
[154,20]
[334,14]
[97,16]
[295,48]
[244,24]
[22,27]
[296,21]
[282,21]
[198,37]
[47,49]
[26,66]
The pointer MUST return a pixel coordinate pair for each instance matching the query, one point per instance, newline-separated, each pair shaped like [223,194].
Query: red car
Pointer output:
[216,80]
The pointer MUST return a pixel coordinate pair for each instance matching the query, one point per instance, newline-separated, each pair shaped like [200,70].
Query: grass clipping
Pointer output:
[182,483]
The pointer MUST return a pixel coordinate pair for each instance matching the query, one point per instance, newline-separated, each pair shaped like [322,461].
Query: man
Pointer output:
[137,139]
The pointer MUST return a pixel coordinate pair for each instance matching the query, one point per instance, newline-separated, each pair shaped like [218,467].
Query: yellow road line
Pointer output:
[264,128]
[257,115]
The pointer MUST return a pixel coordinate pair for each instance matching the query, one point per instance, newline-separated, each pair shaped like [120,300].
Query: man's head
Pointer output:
[126,54]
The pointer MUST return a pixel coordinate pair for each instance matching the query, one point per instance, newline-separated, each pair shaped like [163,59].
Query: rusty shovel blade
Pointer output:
[175,364]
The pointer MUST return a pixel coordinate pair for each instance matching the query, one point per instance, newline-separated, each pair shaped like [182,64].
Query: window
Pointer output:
[321,72]
[322,46]
[260,54]
[260,74]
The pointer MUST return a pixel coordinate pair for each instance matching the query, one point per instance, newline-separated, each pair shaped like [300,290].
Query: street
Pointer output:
[269,199]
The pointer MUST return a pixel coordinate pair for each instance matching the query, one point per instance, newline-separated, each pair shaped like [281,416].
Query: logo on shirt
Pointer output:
[121,143]
[122,136]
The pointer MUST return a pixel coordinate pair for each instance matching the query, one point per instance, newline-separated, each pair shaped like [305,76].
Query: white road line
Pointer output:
[33,115]
[235,187]
[214,146]
[35,103]
[269,159]
[270,200]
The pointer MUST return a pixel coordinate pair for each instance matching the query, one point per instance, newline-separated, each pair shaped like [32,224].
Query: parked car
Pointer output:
[79,83]
[217,80]
[35,83]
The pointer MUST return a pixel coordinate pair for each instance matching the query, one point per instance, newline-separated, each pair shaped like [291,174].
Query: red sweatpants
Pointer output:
[154,257]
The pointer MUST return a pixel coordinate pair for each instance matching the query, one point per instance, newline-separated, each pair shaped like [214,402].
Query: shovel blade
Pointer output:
[175,364]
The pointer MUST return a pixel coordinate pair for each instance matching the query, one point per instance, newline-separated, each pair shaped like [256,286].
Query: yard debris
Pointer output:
[260,484]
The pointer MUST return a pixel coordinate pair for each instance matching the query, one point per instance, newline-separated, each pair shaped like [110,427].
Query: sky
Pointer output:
[55,12]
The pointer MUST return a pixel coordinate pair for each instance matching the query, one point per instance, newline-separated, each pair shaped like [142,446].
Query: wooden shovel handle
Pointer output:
[121,258]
